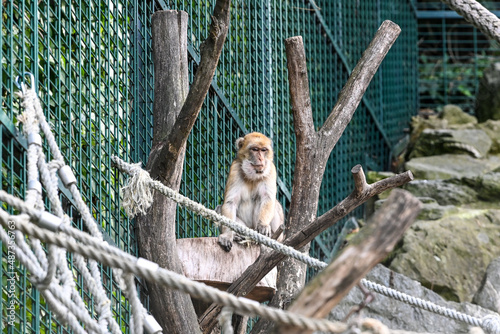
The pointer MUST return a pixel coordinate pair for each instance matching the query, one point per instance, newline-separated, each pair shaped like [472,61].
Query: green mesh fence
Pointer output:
[250,93]
[86,58]
[93,66]
[452,55]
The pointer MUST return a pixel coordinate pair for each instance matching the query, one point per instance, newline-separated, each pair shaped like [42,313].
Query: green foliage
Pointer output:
[445,82]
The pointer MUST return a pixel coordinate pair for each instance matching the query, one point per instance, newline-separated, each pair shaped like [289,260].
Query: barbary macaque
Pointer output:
[250,194]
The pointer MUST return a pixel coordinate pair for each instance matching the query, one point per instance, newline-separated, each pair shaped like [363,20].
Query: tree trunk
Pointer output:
[156,229]
[305,191]
[312,151]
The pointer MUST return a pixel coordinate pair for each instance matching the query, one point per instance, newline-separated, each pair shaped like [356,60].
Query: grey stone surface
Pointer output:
[449,166]
[489,188]
[445,192]
[492,129]
[455,115]
[474,142]
[450,255]
[488,294]
[400,316]
[431,209]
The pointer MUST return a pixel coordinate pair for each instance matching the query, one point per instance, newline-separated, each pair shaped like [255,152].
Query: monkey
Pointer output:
[250,194]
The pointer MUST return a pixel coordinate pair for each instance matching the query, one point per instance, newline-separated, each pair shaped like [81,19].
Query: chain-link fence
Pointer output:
[452,55]
[93,69]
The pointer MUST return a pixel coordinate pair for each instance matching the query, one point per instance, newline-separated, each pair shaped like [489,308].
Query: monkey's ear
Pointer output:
[239,143]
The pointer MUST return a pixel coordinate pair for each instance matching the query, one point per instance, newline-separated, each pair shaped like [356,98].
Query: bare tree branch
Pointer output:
[299,88]
[312,152]
[358,82]
[269,259]
[173,145]
[355,199]
[364,251]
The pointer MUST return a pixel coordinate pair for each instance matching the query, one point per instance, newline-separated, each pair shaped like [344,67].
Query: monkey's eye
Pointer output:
[263,149]
[255,149]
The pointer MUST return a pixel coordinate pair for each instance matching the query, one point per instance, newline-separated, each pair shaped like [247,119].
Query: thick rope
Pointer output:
[43,277]
[136,197]
[52,276]
[152,272]
[140,182]
[490,323]
[225,318]
[103,304]
[477,15]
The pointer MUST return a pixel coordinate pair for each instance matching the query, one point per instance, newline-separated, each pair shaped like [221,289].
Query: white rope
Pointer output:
[225,318]
[137,195]
[140,183]
[51,274]
[478,15]
[150,271]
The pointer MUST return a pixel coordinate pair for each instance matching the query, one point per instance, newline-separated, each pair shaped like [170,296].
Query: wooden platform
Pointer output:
[203,260]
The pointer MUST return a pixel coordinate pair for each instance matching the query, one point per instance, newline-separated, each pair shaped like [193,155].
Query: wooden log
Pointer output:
[366,249]
[176,107]
[203,260]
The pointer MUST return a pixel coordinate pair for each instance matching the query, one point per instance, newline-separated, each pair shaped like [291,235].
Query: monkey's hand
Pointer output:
[226,241]
[264,229]
[238,238]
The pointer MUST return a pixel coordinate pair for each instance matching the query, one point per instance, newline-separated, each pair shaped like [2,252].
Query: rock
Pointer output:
[488,95]
[474,142]
[445,192]
[431,210]
[486,185]
[488,295]
[449,166]
[489,189]
[398,315]
[456,116]
[450,255]
[419,124]
[492,129]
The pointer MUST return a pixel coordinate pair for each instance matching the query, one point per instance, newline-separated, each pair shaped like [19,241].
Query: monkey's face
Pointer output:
[254,168]
[256,155]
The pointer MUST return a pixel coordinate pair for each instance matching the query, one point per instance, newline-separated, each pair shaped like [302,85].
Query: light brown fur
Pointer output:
[250,194]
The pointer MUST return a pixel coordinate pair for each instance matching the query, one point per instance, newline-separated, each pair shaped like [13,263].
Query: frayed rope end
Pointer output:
[137,194]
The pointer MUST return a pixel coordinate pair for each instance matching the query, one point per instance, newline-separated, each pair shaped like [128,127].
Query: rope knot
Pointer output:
[491,323]
[54,165]
[137,194]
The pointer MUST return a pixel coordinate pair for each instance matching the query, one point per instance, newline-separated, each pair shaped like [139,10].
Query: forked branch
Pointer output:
[312,153]
[358,81]
[269,259]
[364,251]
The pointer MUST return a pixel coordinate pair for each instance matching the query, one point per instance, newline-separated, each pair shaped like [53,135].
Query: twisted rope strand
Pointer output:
[477,15]
[179,282]
[136,193]
[45,274]
[140,180]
